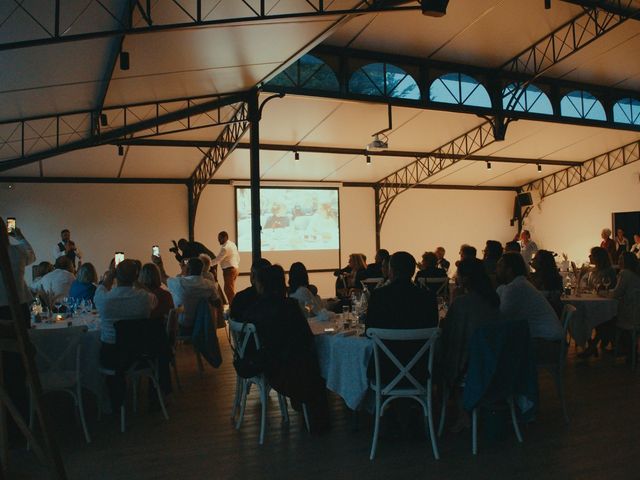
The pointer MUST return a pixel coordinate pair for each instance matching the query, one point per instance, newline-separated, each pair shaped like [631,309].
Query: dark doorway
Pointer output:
[627,221]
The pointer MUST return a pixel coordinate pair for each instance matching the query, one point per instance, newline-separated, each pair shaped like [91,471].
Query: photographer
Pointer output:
[184,250]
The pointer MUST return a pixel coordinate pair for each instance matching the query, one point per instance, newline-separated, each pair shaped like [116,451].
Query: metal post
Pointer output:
[254,167]
[191,210]
[376,190]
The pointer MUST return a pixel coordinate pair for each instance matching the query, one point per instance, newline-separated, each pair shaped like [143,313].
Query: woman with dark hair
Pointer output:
[150,278]
[602,271]
[547,278]
[429,269]
[291,365]
[477,304]
[491,254]
[299,289]
[84,286]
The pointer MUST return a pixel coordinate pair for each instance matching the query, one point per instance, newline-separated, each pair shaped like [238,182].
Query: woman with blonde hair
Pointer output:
[151,280]
[84,286]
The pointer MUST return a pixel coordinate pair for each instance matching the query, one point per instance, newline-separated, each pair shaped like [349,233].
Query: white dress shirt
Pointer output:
[527,251]
[57,282]
[228,256]
[188,291]
[20,255]
[121,303]
[520,300]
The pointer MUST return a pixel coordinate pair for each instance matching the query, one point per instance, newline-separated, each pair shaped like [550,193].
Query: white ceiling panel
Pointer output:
[237,165]
[311,166]
[51,79]
[160,162]
[471,32]
[517,175]
[101,161]
[357,170]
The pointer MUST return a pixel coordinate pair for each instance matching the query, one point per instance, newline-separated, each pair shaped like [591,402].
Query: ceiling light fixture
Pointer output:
[368,160]
[488,165]
[539,168]
[434,8]
[120,150]
[378,144]
[296,156]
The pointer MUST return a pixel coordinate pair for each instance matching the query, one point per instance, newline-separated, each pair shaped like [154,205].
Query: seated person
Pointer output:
[491,254]
[547,279]
[310,304]
[149,278]
[244,299]
[520,300]
[476,305]
[602,271]
[291,365]
[429,269]
[120,303]
[188,289]
[374,270]
[84,286]
[58,282]
[512,247]
[40,270]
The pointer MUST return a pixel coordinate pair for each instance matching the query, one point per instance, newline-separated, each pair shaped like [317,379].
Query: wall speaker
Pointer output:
[525,199]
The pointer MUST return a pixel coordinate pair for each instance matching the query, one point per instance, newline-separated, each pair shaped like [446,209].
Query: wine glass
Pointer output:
[606,281]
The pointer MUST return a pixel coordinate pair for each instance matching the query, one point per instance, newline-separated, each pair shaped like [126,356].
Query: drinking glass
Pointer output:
[606,281]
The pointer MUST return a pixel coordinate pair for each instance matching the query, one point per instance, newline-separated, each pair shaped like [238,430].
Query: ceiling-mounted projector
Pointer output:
[377,145]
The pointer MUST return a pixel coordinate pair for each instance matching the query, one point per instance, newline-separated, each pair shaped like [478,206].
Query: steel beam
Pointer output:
[26,141]
[588,170]
[147,22]
[153,142]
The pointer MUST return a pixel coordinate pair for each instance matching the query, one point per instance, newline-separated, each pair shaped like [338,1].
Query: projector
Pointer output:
[377,145]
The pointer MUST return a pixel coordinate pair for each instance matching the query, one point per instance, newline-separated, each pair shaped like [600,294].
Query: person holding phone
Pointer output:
[67,247]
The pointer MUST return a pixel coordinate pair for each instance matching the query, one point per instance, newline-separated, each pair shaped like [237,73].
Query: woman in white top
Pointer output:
[635,248]
[299,289]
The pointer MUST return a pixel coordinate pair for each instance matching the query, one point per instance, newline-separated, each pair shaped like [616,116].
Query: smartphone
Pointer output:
[119,256]
[155,251]
[11,224]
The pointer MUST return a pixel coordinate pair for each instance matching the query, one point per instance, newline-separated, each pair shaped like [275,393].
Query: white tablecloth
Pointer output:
[92,380]
[591,311]
[343,362]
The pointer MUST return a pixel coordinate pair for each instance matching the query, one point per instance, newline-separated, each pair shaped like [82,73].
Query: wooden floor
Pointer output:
[199,441]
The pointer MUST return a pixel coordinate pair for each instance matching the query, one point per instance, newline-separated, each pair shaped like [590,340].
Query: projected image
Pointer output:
[291,219]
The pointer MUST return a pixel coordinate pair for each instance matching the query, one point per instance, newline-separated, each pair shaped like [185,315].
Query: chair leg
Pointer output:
[122,418]
[200,364]
[514,420]
[156,385]
[376,431]
[616,346]
[263,412]
[284,409]
[236,399]
[432,433]
[474,432]
[31,402]
[135,394]
[175,373]
[243,404]
[83,421]
[443,410]
[305,414]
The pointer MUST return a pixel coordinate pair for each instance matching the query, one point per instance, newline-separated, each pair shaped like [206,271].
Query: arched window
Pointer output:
[308,72]
[459,89]
[581,104]
[627,110]
[533,100]
[385,80]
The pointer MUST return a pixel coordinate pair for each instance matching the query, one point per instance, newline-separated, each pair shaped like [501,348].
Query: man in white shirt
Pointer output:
[520,300]
[229,261]
[189,289]
[120,303]
[67,247]
[20,255]
[528,247]
[57,283]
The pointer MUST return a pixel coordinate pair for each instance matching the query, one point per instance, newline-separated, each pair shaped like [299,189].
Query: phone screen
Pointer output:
[155,251]
[11,224]
[119,256]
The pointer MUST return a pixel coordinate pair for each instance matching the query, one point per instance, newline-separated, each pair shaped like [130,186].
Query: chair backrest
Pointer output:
[57,350]
[173,325]
[424,353]
[568,312]
[438,285]
[243,334]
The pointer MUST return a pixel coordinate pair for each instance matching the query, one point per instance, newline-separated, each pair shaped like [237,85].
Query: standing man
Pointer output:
[443,263]
[67,247]
[527,247]
[229,260]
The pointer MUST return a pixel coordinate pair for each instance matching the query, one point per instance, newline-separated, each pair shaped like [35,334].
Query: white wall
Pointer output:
[571,221]
[421,220]
[103,218]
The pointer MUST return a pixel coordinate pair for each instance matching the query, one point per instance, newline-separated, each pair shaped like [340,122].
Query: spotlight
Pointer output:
[539,168]
[296,156]
[368,160]
[104,121]
[124,60]
[434,8]
[547,4]
[120,150]
[488,165]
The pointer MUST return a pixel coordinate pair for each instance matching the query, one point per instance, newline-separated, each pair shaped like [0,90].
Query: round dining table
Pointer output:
[591,311]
